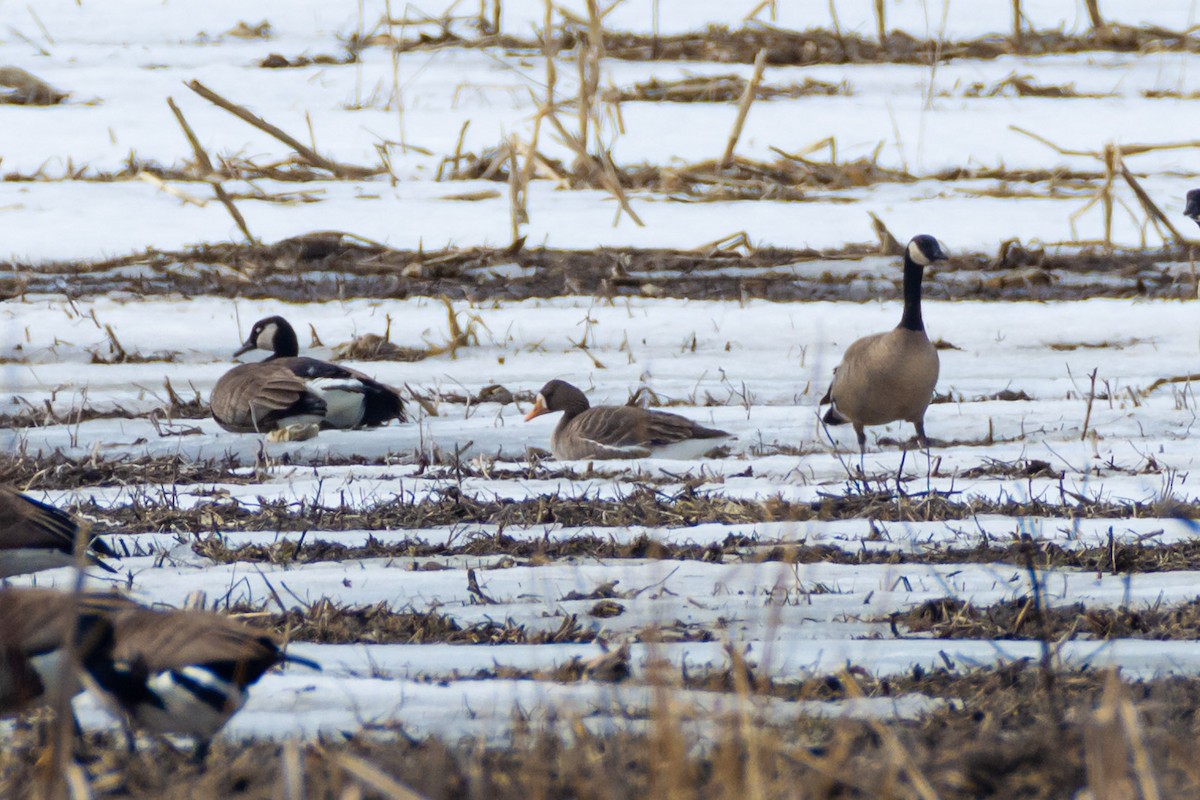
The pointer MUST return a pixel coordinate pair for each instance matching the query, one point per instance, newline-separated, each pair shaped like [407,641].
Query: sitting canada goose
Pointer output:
[183,672]
[34,626]
[610,431]
[289,389]
[1191,209]
[890,376]
[36,536]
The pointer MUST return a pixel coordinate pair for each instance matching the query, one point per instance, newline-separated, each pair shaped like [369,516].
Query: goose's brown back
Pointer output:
[170,640]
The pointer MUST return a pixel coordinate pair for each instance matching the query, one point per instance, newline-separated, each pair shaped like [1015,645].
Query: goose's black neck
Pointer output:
[285,343]
[913,273]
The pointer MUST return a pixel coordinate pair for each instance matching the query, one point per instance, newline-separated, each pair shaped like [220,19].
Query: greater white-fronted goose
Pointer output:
[1191,208]
[289,389]
[36,536]
[184,672]
[34,628]
[890,376]
[611,431]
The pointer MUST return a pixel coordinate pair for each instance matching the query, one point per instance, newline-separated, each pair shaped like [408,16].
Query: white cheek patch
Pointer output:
[266,339]
[918,257]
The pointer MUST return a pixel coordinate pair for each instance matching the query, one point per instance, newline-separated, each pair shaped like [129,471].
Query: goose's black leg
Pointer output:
[201,751]
[922,439]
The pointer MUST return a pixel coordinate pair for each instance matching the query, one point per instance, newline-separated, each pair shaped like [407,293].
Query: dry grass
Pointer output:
[950,618]
[21,88]
[328,623]
[789,47]
[789,177]
[1025,86]
[175,408]
[719,89]
[298,269]
[995,740]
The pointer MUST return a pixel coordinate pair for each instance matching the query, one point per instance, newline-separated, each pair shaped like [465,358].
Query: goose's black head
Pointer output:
[1191,209]
[273,334]
[923,250]
[558,396]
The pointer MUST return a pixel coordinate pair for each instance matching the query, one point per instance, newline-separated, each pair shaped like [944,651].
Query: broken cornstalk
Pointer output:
[208,174]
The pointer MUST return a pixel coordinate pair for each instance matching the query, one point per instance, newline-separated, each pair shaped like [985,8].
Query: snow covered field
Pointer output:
[1052,420]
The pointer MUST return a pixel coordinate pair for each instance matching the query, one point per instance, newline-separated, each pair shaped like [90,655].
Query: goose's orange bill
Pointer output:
[539,408]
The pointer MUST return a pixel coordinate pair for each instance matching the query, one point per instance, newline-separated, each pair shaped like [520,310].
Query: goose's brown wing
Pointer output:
[633,427]
[251,397]
[24,522]
[34,620]
[165,640]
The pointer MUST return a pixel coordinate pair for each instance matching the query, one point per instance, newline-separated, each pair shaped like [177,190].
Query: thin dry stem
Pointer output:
[760,62]
[306,153]
[209,174]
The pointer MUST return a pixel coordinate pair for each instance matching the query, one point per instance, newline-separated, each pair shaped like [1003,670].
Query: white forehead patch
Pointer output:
[541,399]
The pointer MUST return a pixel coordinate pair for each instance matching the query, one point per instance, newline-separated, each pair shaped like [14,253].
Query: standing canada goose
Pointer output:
[890,376]
[34,626]
[36,536]
[1191,209]
[289,389]
[183,672]
[610,431]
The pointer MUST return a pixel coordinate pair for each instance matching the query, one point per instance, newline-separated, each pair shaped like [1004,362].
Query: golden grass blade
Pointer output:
[307,153]
[374,778]
[205,165]
[760,62]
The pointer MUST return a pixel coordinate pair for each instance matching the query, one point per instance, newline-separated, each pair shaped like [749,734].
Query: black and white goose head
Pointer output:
[923,250]
[1191,208]
[273,334]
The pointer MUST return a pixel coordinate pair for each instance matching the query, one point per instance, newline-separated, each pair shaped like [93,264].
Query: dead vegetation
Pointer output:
[790,177]
[277,61]
[325,622]
[1114,558]
[651,506]
[1022,618]
[51,471]
[719,89]
[1025,86]
[996,738]
[174,407]
[373,347]
[815,46]
[21,88]
[329,265]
